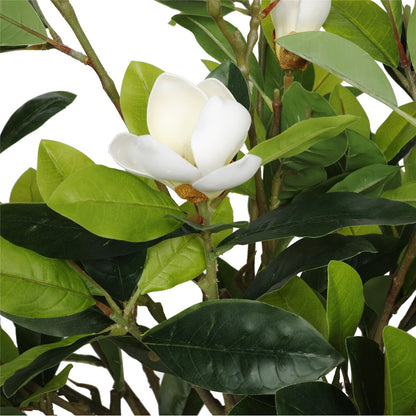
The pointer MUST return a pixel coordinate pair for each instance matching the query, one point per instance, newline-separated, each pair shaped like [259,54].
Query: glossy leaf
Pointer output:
[34,286]
[114,204]
[8,350]
[135,90]
[172,262]
[400,362]
[306,254]
[196,7]
[115,362]
[297,297]
[300,137]
[229,74]
[411,35]
[32,115]
[55,384]
[26,188]
[369,180]
[24,13]
[345,303]
[365,24]
[57,161]
[395,132]
[313,398]
[28,365]
[344,102]
[325,213]
[367,369]
[410,167]
[375,292]
[328,51]
[254,405]
[241,347]
[405,193]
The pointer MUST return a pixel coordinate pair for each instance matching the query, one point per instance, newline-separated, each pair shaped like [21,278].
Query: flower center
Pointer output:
[188,192]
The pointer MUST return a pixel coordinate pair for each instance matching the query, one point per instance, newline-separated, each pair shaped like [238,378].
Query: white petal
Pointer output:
[229,176]
[284,17]
[146,156]
[173,111]
[212,87]
[312,14]
[221,131]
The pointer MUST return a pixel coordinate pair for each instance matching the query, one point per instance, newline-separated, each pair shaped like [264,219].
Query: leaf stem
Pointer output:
[212,404]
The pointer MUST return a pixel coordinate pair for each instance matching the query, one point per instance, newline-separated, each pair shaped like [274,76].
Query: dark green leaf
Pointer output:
[32,115]
[254,405]
[226,277]
[315,215]
[241,347]
[229,74]
[115,363]
[306,254]
[8,350]
[313,398]
[367,369]
[375,293]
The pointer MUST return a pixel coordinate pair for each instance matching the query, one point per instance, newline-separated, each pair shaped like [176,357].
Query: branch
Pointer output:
[134,402]
[153,380]
[212,404]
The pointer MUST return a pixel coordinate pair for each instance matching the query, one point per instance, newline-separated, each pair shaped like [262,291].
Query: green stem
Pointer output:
[288,79]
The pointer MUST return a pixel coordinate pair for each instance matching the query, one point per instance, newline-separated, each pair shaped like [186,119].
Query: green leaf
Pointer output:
[297,297]
[57,161]
[375,291]
[369,180]
[34,286]
[400,371]
[241,347]
[365,24]
[8,350]
[396,7]
[38,228]
[345,303]
[405,193]
[324,81]
[306,254]
[196,7]
[28,365]
[135,90]
[410,167]
[395,132]
[22,12]
[254,405]
[115,362]
[329,51]
[114,204]
[300,137]
[325,213]
[26,188]
[411,35]
[344,102]
[229,74]
[367,369]
[172,262]
[33,114]
[55,384]
[313,398]
[177,396]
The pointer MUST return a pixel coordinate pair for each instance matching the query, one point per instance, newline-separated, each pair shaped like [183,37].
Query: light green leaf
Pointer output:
[367,25]
[396,8]
[57,161]
[8,351]
[135,90]
[411,35]
[22,12]
[400,371]
[404,193]
[172,262]
[343,59]
[410,167]
[345,303]
[26,188]
[297,297]
[301,136]
[115,204]
[34,286]
[395,132]
[324,81]
[343,101]
[55,384]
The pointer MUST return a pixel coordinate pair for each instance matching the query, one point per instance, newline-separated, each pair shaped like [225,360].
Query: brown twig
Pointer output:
[153,380]
[212,404]
[134,402]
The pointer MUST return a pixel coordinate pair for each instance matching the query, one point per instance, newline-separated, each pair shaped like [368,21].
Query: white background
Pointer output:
[120,31]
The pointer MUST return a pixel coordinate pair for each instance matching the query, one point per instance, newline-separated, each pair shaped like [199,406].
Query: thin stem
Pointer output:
[53,33]
[134,402]
[153,380]
[288,79]
[65,8]
[395,287]
[253,35]
[409,314]
[212,404]
[411,78]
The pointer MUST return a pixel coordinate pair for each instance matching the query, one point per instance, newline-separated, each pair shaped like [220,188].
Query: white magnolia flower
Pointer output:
[195,131]
[290,16]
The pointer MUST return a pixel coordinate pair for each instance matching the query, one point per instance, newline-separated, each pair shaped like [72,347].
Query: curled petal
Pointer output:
[285,16]
[211,87]
[221,131]
[173,111]
[229,176]
[312,14]
[146,156]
